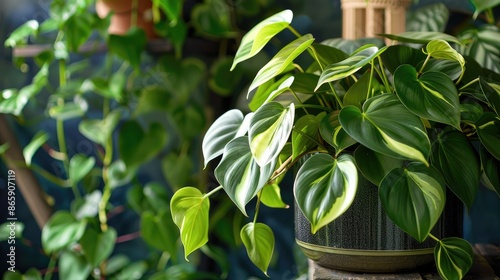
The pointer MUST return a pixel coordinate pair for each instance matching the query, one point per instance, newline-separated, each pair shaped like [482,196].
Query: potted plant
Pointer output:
[413,122]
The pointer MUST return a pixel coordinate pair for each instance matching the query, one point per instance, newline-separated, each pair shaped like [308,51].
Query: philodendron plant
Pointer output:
[413,121]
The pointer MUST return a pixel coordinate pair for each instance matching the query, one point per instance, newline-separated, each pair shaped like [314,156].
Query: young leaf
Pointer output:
[79,166]
[20,35]
[413,198]
[258,239]
[61,230]
[281,60]
[457,161]
[387,127]
[230,125]
[240,175]
[190,213]
[325,187]
[431,96]
[99,131]
[440,49]
[270,128]
[271,197]
[36,142]
[491,91]
[454,257]
[260,34]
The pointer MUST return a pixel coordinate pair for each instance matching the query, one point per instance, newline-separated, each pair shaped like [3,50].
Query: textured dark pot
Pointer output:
[364,239]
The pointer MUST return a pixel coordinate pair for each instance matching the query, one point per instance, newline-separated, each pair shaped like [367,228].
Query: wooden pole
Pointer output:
[25,180]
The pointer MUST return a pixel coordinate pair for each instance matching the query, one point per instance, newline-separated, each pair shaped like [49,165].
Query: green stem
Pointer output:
[433,237]
[257,208]
[424,64]
[368,90]
[382,74]
[469,83]
[490,16]
[49,176]
[162,262]
[50,268]
[294,31]
[133,17]
[103,218]
[212,192]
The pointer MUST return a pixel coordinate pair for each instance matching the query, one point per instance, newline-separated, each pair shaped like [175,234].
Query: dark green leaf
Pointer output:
[482,5]
[398,55]
[364,88]
[431,96]
[454,258]
[374,166]
[97,246]
[433,17]
[491,168]
[160,231]
[78,29]
[305,134]
[457,161]
[129,46]
[177,169]
[488,130]
[387,127]
[212,19]
[422,37]
[413,198]
[79,166]
[223,81]
[483,46]
[100,131]
[137,146]
[491,91]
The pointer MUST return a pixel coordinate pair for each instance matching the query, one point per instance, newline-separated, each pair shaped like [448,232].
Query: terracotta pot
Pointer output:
[122,14]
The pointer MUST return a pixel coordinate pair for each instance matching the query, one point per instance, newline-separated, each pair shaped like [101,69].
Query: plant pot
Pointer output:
[121,18]
[364,239]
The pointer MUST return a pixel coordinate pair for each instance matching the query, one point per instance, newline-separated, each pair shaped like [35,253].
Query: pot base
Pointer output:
[372,261]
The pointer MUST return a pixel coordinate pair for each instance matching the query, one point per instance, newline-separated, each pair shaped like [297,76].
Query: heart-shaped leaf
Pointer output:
[61,230]
[364,88]
[482,5]
[413,198]
[440,49]
[96,247]
[488,130]
[281,60]
[69,110]
[387,127]
[432,17]
[398,55]
[119,174]
[483,46]
[36,142]
[333,133]
[454,257]
[270,128]
[137,146]
[458,162]
[260,34]
[271,197]
[349,66]
[79,166]
[129,46]
[159,231]
[177,169]
[374,166]
[190,213]
[325,187]
[73,265]
[305,134]
[212,19]
[99,131]
[258,239]
[230,125]
[431,96]
[239,174]
[272,90]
